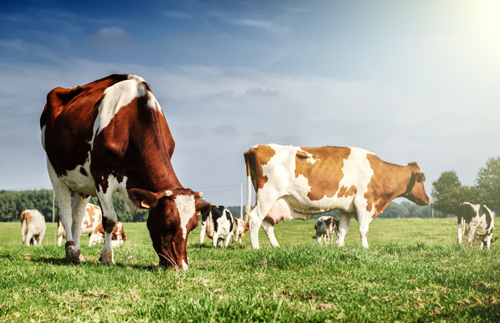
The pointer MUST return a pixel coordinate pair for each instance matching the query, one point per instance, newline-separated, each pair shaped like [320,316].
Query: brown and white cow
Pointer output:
[32,227]
[298,182]
[111,136]
[118,236]
[91,219]
[239,230]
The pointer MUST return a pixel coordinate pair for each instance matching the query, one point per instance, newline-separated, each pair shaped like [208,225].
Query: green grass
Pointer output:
[413,271]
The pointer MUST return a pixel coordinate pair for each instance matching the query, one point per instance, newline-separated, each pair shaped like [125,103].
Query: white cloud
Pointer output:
[111,37]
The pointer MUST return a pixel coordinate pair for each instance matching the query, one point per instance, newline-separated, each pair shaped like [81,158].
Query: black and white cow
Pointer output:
[217,223]
[325,227]
[475,221]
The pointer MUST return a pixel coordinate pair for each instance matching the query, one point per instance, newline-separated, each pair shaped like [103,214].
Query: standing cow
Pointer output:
[91,219]
[240,227]
[217,223]
[475,221]
[325,227]
[111,136]
[32,227]
[298,182]
[117,237]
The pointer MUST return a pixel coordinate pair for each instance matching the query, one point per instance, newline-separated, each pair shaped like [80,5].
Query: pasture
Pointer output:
[413,271]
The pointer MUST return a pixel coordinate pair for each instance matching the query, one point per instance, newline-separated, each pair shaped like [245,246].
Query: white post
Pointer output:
[53,205]
[241,202]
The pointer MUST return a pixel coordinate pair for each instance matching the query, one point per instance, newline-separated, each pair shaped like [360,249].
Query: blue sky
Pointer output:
[407,80]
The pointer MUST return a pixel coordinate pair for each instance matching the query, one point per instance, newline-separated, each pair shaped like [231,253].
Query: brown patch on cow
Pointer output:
[345,192]
[388,182]
[326,170]
[255,158]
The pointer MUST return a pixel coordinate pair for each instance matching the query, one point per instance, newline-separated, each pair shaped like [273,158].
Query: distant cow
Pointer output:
[217,223]
[32,227]
[475,221]
[298,182]
[111,136]
[325,227]
[239,229]
[117,237]
[92,218]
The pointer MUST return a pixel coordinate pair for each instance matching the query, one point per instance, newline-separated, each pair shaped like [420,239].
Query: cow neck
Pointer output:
[158,173]
[388,182]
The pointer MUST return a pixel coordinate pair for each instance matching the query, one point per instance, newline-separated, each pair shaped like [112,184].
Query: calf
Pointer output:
[117,236]
[325,227]
[32,227]
[476,222]
[92,218]
[239,229]
[217,223]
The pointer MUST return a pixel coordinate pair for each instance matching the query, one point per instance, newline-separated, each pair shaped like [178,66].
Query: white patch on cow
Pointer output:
[78,182]
[358,172]
[310,159]
[186,207]
[119,95]
[184,265]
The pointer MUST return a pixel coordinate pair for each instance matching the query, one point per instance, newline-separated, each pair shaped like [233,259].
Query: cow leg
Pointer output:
[459,231]
[109,220]
[27,239]
[344,220]
[472,232]
[215,241]
[363,225]
[203,231]
[40,238]
[269,229]
[63,194]
[228,238]
[78,205]
[254,223]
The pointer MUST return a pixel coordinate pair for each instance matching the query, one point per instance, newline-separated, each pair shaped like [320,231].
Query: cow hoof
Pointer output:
[108,262]
[72,253]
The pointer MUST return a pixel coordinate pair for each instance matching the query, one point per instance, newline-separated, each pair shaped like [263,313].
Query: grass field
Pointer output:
[413,271]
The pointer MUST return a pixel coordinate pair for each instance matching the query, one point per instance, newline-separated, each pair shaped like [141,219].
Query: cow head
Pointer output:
[415,190]
[172,215]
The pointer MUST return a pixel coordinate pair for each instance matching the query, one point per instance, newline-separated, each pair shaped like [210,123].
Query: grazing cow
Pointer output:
[325,227]
[32,227]
[111,136]
[217,223]
[92,217]
[475,221]
[239,230]
[117,237]
[298,182]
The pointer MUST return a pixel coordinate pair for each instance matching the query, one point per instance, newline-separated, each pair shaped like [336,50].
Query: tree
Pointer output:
[447,192]
[488,184]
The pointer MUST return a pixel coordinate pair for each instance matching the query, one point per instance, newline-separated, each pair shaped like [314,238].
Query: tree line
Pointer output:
[448,192]
[12,203]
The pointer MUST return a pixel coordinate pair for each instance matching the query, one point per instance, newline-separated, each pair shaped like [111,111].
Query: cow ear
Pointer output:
[202,206]
[142,198]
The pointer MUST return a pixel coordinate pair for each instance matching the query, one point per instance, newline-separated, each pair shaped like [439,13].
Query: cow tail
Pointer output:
[249,191]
